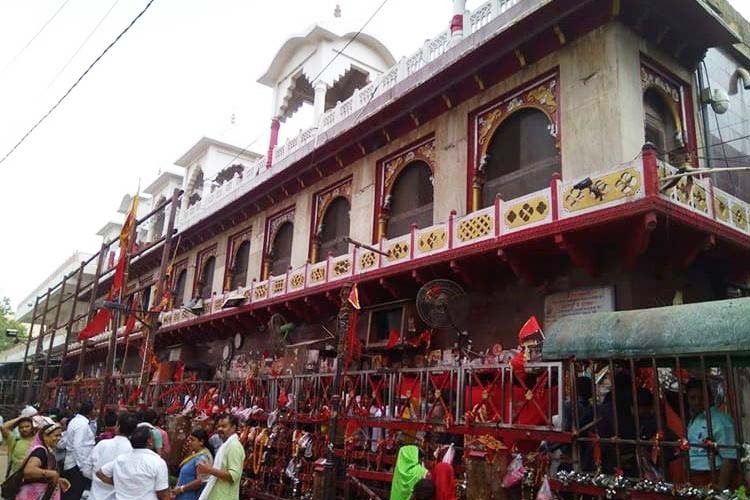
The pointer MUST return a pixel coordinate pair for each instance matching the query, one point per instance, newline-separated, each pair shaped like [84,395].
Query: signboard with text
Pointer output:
[578,301]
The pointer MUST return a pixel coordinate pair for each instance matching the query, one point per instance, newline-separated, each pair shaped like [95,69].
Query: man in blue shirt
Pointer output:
[722,434]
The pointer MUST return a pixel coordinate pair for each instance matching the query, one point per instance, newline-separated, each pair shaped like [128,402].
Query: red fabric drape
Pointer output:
[445,482]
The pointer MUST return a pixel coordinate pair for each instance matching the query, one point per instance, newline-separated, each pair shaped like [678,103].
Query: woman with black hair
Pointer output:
[189,485]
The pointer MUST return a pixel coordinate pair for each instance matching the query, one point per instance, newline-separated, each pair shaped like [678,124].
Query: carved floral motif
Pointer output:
[273,224]
[542,96]
[650,78]
[392,167]
[324,198]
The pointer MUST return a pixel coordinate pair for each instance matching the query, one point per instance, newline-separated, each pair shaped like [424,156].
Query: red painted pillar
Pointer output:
[275,124]
[650,171]
[457,21]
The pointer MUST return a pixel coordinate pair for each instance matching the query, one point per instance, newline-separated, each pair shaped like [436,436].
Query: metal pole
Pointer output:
[38,350]
[153,315]
[69,328]
[92,299]
[342,328]
[22,368]
[54,329]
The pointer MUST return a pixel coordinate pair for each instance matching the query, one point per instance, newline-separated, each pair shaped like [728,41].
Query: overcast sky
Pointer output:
[180,73]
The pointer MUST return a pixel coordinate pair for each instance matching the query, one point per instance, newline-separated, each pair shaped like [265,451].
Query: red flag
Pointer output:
[529,328]
[97,324]
[119,277]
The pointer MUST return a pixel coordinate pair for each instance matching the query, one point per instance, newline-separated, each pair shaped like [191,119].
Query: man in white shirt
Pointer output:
[140,474]
[78,442]
[108,450]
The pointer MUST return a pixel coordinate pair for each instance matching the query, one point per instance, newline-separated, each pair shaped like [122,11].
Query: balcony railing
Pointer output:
[454,395]
[432,50]
[562,200]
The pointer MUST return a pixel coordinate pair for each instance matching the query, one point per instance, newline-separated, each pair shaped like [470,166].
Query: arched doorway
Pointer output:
[205,284]
[280,256]
[179,289]
[410,201]
[238,278]
[334,227]
[521,157]
[660,127]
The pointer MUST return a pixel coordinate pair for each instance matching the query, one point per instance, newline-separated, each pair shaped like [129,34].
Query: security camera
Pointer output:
[717,98]
[719,101]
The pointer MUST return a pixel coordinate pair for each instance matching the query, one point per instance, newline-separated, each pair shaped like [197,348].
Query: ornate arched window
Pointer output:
[239,267]
[659,124]
[281,249]
[333,229]
[205,284]
[410,200]
[179,288]
[521,156]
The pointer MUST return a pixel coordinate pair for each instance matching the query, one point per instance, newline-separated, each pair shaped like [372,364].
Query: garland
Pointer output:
[260,442]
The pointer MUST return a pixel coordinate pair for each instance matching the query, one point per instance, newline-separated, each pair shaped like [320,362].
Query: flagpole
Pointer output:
[153,315]
[132,219]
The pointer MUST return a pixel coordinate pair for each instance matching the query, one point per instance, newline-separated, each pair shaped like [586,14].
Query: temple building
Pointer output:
[535,155]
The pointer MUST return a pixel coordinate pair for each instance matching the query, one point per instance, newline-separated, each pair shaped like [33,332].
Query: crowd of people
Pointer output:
[628,413]
[53,457]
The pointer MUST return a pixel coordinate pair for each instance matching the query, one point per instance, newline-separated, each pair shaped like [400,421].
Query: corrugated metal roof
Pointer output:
[707,327]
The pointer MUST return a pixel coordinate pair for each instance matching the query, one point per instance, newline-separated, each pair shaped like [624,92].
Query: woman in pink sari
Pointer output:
[40,476]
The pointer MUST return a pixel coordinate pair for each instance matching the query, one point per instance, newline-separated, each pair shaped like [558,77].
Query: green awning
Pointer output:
[721,326]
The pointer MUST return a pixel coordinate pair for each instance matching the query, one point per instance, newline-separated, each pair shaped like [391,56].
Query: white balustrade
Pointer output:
[432,50]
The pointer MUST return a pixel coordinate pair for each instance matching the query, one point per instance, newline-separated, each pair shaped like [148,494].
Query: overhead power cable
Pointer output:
[31,40]
[83,44]
[75,84]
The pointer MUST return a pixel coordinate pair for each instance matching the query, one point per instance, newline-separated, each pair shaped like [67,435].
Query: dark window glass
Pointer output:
[179,288]
[239,268]
[281,250]
[411,199]
[383,322]
[207,278]
[521,157]
[145,298]
[334,228]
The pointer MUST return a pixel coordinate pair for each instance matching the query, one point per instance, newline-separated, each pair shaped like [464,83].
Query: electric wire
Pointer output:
[36,35]
[83,44]
[75,84]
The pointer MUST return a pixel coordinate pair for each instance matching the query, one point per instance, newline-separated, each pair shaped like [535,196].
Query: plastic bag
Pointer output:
[449,455]
[545,492]
[515,472]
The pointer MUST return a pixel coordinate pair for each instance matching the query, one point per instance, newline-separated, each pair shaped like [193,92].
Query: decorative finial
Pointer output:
[337,11]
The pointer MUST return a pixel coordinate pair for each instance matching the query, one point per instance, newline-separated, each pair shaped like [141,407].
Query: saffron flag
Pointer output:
[354,297]
[100,320]
[129,225]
